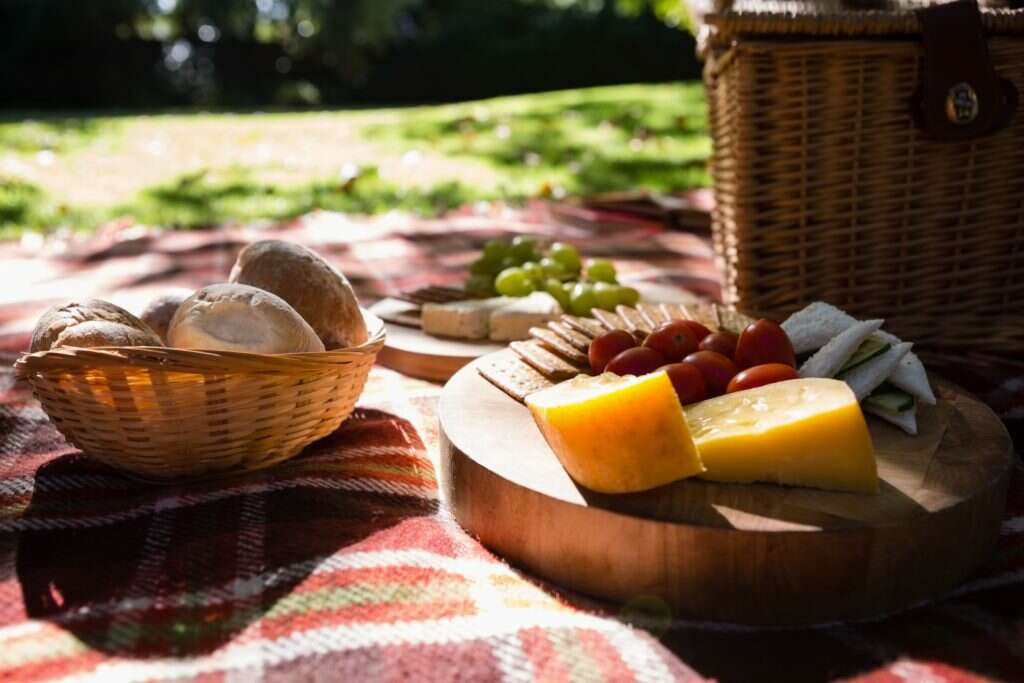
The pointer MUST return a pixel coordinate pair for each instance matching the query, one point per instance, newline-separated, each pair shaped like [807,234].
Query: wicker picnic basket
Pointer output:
[872,158]
[167,414]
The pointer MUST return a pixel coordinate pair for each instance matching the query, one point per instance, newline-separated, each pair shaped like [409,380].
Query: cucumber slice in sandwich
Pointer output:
[817,323]
[889,399]
[835,355]
[872,346]
[867,377]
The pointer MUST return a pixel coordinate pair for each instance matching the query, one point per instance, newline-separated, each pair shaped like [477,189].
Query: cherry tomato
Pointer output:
[721,342]
[675,340]
[607,346]
[636,361]
[763,342]
[716,368]
[699,330]
[759,375]
[688,382]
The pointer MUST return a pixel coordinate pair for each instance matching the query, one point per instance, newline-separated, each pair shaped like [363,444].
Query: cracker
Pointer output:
[635,322]
[579,340]
[588,326]
[611,321]
[704,312]
[654,314]
[510,374]
[674,311]
[547,363]
[555,343]
[732,320]
[433,294]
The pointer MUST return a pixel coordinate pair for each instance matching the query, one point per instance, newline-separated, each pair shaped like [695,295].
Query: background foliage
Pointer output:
[243,53]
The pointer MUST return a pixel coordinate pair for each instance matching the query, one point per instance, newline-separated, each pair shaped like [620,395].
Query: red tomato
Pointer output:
[675,340]
[699,330]
[759,375]
[607,346]
[687,381]
[636,361]
[716,368]
[763,342]
[720,342]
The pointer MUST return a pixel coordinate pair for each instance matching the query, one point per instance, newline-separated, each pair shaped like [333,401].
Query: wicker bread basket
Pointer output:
[165,413]
[828,186]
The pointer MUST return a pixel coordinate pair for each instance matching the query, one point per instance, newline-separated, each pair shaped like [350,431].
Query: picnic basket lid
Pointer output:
[840,18]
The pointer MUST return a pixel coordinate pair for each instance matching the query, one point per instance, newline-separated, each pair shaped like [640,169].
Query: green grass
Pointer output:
[584,141]
[79,172]
[208,197]
[29,135]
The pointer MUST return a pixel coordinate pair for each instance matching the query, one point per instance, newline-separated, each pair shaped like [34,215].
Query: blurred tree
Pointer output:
[128,53]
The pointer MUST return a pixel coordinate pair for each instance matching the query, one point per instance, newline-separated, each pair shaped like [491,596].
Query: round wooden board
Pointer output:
[415,353]
[748,554]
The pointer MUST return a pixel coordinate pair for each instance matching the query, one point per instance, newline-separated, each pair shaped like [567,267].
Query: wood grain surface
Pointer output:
[413,352]
[752,554]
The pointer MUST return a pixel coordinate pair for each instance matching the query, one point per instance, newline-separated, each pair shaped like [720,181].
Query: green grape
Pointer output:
[523,250]
[508,262]
[583,299]
[628,296]
[496,250]
[553,268]
[513,282]
[485,266]
[608,295]
[554,287]
[534,272]
[601,270]
[480,286]
[567,255]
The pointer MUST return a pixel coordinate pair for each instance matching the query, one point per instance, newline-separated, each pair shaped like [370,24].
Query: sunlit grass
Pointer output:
[189,170]
[581,141]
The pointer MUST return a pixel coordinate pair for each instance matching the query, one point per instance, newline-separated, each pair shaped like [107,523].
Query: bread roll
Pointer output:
[61,317]
[160,310]
[232,317]
[105,333]
[314,288]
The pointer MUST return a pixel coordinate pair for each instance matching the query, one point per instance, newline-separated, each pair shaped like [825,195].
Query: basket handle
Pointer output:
[960,96]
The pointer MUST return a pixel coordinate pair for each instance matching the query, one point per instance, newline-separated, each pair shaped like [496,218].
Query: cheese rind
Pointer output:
[514,320]
[803,432]
[617,434]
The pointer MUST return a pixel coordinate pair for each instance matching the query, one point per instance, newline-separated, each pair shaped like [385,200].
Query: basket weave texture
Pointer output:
[826,189]
[165,413]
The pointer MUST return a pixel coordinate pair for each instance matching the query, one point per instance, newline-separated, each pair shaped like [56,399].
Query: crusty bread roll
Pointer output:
[105,333]
[320,293]
[160,310]
[232,317]
[59,318]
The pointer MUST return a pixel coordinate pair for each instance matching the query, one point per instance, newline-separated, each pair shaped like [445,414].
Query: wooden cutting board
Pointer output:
[413,352]
[754,554]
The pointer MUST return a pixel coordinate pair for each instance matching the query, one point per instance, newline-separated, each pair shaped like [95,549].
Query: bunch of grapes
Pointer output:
[518,268]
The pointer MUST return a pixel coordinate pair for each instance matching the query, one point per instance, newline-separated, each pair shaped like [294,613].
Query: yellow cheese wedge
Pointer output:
[617,434]
[805,432]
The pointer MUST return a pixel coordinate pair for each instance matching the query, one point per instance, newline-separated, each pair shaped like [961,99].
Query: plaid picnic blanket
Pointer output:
[342,564]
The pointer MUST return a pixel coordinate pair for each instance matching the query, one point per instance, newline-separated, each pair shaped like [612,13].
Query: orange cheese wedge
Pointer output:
[804,432]
[617,434]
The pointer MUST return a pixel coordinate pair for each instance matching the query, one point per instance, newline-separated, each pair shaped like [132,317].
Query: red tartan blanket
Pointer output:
[341,564]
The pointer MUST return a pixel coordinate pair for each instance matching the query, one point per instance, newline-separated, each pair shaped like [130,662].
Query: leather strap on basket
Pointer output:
[960,96]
